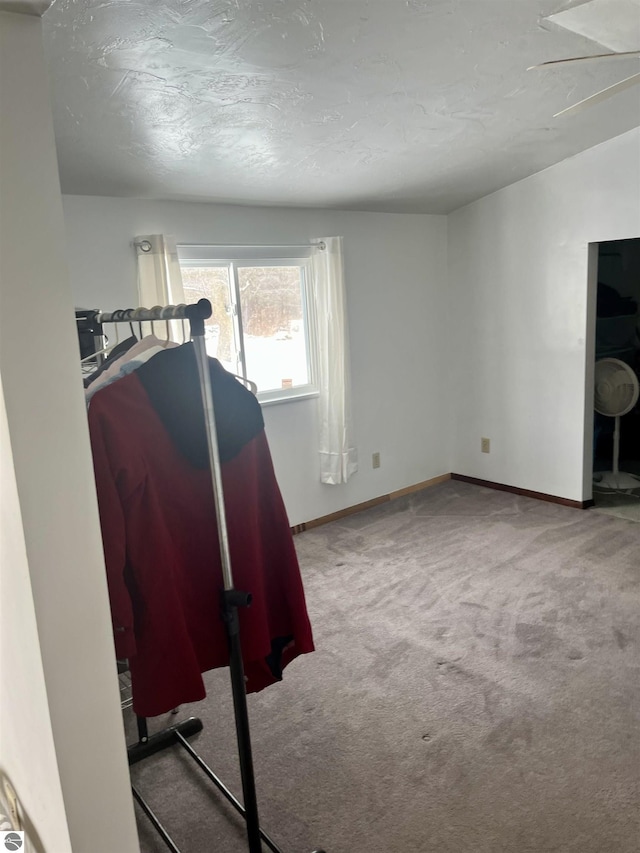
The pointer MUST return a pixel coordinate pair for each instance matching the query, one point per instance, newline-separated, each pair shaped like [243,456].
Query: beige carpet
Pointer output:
[619,504]
[476,689]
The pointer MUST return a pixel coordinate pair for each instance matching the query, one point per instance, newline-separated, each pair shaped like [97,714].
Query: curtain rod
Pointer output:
[320,244]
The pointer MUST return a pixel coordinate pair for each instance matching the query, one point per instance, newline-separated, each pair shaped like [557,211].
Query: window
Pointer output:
[261,326]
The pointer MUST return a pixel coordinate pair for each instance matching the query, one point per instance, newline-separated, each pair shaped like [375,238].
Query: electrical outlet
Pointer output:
[375,460]
[485,445]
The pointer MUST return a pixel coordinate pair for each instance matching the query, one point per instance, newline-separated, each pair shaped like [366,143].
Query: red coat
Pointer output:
[160,536]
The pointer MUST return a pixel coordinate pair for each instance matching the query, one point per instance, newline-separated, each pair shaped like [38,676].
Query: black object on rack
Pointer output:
[89,332]
[231,600]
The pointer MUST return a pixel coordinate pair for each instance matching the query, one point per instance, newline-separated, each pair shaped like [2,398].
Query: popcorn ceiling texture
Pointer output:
[414,105]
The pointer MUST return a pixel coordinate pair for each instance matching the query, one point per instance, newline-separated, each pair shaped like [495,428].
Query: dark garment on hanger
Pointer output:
[238,413]
[160,534]
[116,352]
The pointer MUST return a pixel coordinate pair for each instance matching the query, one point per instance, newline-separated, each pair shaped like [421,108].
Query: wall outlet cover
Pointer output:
[485,445]
[375,460]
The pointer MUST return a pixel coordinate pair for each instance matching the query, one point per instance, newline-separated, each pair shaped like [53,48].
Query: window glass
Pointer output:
[260,327]
[214,283]
[273,324]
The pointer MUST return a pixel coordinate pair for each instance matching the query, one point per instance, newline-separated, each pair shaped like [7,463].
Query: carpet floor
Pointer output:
[475,689]
[619,504]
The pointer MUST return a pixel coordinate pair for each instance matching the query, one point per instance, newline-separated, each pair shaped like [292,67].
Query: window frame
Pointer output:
[234,257]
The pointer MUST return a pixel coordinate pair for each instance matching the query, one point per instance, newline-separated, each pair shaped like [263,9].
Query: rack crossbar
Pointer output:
[162,832]
[201,310]
[235,802]
[163,739]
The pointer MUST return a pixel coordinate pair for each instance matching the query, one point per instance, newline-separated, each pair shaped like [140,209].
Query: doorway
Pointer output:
[616,440]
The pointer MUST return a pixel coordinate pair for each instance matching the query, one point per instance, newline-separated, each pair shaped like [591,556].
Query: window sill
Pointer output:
[288,398]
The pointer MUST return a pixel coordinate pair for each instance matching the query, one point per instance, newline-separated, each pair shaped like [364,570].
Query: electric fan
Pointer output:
[616,393]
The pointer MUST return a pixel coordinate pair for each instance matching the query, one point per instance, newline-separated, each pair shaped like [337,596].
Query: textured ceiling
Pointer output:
[399,105]
[613,23]
[25,7]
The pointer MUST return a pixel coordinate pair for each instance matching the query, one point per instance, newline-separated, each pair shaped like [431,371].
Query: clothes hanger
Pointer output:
[165,314]
[170,313]
[106,349]
[134,315]
[251,385]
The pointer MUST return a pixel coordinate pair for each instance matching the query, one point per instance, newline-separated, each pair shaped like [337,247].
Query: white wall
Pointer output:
[397,302]
[51,458]
[518,274]
[27,749]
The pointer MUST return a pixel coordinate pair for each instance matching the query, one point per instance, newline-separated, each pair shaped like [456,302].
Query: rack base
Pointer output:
[162,740]
[170,736]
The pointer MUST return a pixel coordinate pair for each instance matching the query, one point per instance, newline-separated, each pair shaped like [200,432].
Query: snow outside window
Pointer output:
[262,325]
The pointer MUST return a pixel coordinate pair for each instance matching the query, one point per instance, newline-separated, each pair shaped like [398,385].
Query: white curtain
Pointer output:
[159,276]
[338,455]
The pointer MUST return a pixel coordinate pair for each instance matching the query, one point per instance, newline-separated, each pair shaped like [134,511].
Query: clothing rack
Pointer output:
[232,598]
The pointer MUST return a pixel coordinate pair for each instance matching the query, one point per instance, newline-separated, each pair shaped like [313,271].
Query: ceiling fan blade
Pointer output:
[601,96]
[624,54]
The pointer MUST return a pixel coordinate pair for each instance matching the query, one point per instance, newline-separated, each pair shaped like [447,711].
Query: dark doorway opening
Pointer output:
[618,337]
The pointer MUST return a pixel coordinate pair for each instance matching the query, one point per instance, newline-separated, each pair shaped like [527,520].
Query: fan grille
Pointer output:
[616,387]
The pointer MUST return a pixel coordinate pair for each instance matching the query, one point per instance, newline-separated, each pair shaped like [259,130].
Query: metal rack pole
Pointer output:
[231,597]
